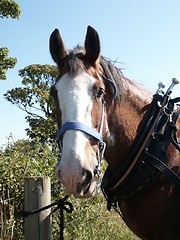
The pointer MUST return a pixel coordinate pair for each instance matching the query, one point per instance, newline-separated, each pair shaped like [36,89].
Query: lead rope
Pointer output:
[62,205]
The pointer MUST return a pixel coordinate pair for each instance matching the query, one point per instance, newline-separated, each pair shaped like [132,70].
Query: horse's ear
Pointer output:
[57,48]
[92,45]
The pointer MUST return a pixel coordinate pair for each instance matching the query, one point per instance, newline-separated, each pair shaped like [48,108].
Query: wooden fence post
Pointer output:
[37,195]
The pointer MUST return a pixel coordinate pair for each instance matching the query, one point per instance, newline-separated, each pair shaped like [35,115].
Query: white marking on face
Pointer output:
[75,100]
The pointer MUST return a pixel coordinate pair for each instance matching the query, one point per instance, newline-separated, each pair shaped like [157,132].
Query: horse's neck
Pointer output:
[126,116]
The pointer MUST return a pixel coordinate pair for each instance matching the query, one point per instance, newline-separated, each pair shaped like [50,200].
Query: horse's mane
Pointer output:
[113,73]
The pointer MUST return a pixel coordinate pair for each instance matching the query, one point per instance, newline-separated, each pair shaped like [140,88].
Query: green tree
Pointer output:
[8,8]
[5,62]
[35,99]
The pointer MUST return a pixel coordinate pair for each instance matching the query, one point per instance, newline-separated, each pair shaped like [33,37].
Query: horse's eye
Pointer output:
[100,93]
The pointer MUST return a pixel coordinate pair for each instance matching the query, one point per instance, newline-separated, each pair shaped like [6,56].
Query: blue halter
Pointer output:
[72,125]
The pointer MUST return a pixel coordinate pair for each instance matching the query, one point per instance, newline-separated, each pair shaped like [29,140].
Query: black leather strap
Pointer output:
[161,167]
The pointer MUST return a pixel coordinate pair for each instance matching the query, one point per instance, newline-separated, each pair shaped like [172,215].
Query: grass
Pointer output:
[91,220]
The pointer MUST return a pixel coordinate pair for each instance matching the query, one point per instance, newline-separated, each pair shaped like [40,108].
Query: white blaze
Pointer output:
[75,98]
[75,101]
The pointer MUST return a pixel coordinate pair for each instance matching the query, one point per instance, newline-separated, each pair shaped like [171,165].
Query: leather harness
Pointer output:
[148,157]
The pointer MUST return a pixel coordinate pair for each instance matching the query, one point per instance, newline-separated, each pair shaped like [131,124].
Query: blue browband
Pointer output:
[72,125]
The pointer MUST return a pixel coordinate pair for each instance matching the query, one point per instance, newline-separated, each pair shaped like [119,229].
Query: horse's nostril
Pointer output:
[87,177]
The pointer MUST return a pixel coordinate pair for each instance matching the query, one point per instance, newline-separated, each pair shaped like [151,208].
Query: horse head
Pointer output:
[80,94]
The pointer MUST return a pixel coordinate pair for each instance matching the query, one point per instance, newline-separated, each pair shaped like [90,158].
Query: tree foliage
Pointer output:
[5,62]
[20,159]
[35,99]
[89,220]
[8,8]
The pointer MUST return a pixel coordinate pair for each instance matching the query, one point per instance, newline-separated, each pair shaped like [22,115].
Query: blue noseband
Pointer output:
[78,126]
[72,125]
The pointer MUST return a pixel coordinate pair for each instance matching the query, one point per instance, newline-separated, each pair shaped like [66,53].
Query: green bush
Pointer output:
[89,220]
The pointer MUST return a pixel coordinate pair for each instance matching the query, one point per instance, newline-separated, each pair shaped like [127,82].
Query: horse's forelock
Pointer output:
[74,61]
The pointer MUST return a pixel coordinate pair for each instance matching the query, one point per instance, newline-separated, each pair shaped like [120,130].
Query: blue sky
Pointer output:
[143,35]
